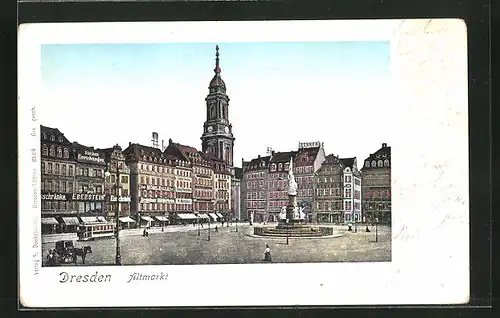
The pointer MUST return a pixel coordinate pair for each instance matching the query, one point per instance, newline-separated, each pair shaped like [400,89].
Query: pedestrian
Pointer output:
[267,254]
[144,233]
[216,229]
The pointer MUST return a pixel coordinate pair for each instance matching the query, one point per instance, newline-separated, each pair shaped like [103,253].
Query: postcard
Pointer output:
[271,163]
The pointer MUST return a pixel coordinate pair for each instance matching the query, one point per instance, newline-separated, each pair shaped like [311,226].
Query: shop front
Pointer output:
[50,225]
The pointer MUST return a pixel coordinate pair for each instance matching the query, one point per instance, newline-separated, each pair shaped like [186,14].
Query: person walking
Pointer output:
[267,254]
[216,229]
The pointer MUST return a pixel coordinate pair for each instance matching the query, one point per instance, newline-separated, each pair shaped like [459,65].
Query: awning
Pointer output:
[214,216]
[71,220]
[89,219]
[49,221]
[203,216]
[186,216]
[219,215]
[126,219]
[102,219]
[147,218]
[161,218]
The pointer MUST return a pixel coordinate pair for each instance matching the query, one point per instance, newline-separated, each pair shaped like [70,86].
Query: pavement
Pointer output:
[182,245]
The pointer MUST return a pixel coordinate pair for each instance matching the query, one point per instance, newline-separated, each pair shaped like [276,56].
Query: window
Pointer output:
[386,163]
[374,163]
[347,193]
[59,152]
[70,171]
[52,138]
[273,167]
[45,150]
[380,164]
[49,166]
[58,170]
[52,150]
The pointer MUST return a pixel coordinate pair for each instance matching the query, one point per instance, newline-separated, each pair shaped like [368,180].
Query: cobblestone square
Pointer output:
[181,245]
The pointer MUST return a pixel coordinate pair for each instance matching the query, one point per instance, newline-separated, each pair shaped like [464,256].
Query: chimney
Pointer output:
[258,157]
[155,139]
[170,141]
[384,145]
[162,145]
[129,143]
[272,152]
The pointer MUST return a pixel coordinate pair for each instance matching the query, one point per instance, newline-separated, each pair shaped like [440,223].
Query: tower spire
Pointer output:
[217,68]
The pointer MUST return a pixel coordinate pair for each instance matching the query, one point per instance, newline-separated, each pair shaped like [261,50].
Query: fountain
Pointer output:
[292,218]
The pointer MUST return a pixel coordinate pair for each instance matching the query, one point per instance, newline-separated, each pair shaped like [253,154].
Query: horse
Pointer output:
[79,251]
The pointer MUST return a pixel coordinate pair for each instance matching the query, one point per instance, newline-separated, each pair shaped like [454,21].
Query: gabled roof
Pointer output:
[255,163]
[383,153]
[49,131]
[348,162]
[283,156]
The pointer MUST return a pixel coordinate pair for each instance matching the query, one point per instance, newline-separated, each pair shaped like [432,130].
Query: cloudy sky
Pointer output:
[280,94]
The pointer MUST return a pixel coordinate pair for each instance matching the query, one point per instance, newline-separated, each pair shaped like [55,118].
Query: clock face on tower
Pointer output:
[226,130]
[209,129]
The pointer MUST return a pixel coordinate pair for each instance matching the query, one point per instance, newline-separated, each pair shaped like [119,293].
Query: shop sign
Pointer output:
[157,200]
[88,197]
[88,156]
[120,199]
[55,197]
[183,201]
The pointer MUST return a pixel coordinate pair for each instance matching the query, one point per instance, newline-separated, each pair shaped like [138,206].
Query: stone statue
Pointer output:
[302,215]
[292,185]
[282,215]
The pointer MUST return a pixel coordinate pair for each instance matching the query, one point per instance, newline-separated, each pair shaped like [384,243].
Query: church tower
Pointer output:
[217,138]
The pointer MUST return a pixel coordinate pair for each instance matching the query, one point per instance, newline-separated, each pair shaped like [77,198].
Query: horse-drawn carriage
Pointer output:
[65,252]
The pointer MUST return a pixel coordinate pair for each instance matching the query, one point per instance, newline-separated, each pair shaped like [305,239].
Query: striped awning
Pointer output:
[102,219]
[186,216]
[49,221]
[214,216]
[147,218]
[161,218]
[219,215]
[70,220]
[203,216]
[126,219]
[89,219]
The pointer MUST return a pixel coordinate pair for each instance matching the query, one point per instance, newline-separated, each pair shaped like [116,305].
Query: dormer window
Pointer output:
[60,139]
[273,167]
[386,163]
[52,138]
[380,164]
[287,166]
[367,164]
[59,152]
[45,150]
[44,136]
[384,155]
[374,163]
[280,167]
[378,155]
[52,151]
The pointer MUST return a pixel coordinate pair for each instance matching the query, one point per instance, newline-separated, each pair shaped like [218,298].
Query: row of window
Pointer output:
[329,205]
[58,152]
[203,194]
[280,167]
[376,206]
[331,179]
[90,172]
[278,204]
[57,186]
[222,206]
[204,182]
[254,184]
[52,137]
[328,192]
[255,175]
[203,206]
[377,164]
[222,185]
[380,182]
[255,195]
[280,184]
[377,194]
[165,207]
[204,171]
[163,194]
[305,192]
[256,204]
[69,206]
[121,192]
[223,195]
[124,207]
[278,195]
[157,181]
[57,168]
[306,169]
[112,179]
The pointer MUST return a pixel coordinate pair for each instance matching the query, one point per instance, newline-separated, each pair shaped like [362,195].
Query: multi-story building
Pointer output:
[184,183]
[152,184]
[59,209]
[236,203]
[328,185]
[117,185]
[352,190]
[308,160]
[90,182]
[254,188]
[279,165]
[222,190]
[376,185]
[217,138]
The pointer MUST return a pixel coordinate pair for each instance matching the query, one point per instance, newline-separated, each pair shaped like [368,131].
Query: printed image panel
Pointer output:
[194,151]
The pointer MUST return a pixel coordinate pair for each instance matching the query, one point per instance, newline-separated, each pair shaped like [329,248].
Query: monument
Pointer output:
[291,218]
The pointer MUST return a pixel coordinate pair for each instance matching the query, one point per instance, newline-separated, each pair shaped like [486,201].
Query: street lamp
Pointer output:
[287,230]
[209,221]
[198,219]
[376,223]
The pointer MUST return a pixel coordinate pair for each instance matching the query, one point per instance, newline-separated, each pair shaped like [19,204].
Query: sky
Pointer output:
[280,94]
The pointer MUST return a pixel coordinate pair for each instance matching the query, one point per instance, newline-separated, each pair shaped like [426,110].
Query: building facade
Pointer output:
[217,138]
[308,160]
[279,166]
[222,190]
[254,188]
[376,186]
[352,190]
[117,185]
[152,188]
[329,188]
[58,183]
[236,203]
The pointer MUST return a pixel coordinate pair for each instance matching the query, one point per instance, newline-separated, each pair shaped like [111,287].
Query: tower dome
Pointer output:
[217,81]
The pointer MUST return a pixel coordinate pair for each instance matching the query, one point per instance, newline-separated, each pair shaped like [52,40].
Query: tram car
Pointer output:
[92,231]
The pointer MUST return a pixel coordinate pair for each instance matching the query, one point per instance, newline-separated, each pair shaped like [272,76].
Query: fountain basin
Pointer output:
[294,230]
